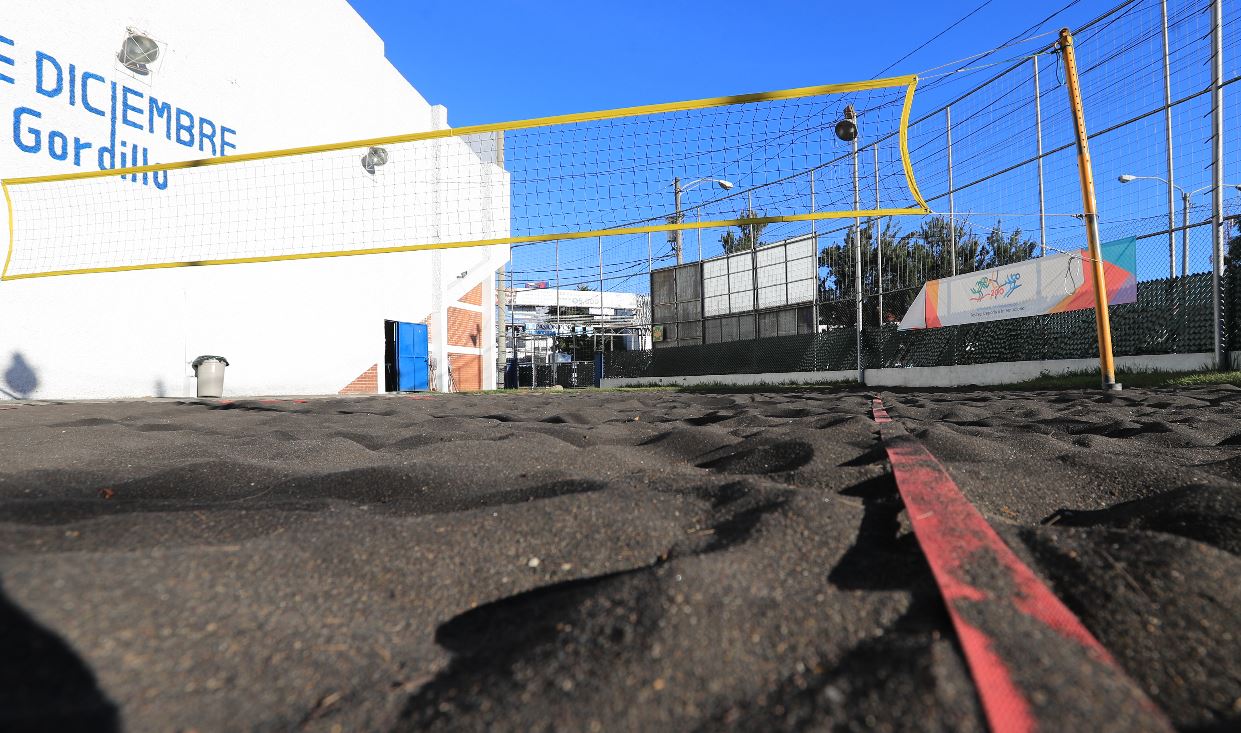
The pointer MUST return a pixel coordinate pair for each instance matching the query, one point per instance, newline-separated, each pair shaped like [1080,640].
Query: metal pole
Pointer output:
[1103,323]
[877,237]
[1185,199]
[557,286]
[814,239]
[676,198]
[1180,292]
[512,294]
[699,218]
[753,260]
[599,241]
[1217,191]
[1038,124]
[1167,130]
[857,269]
[651,290]
[952,206]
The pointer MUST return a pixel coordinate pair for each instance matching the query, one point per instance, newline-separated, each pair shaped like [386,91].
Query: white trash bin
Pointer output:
[210,373]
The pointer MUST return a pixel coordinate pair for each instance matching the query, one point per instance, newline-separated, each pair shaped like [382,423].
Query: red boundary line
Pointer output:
[951,531]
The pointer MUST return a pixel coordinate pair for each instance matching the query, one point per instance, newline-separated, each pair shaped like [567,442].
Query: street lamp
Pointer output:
[1186,196]
[677,190]
[847,131]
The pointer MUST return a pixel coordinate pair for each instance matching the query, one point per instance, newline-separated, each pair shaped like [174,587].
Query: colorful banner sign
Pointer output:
[1042,285]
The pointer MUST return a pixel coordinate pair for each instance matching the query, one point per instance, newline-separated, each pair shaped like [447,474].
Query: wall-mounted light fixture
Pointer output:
[138,52]
[374,158]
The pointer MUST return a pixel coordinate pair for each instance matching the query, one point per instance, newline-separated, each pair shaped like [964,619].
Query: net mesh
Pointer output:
[768,157]
[996,159]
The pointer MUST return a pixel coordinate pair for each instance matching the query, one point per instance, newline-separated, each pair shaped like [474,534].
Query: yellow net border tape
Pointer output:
[910,82]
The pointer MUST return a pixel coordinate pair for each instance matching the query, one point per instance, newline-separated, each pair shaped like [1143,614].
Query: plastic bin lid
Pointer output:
[199,361]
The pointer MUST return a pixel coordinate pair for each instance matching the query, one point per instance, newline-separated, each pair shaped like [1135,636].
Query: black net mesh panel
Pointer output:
[676,299]
[1170,316]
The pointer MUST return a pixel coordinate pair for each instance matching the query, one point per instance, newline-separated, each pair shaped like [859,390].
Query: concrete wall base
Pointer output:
[772,378]
[967,375]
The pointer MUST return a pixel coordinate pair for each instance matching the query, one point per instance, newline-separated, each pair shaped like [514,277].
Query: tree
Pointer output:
[1006,249]
[747,234]
[837,287]
[909,260]
[1232,255]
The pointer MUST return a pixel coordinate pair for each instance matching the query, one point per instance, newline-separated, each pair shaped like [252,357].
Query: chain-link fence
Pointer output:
[992,145]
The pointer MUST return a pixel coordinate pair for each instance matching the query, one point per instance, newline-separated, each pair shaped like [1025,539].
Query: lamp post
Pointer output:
[847,131]
[1186,198]
[677,190]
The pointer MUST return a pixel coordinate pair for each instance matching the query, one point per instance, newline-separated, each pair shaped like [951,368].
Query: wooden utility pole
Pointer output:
[1103,324]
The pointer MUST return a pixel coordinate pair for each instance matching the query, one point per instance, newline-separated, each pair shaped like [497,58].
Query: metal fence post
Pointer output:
[599,241]
[857,268]
[512,314]
[814,239]
[1217,182]
[1038,129]
[698,210]
[1167,128]
[650,263]
[952,208]
[876,237]
[753,260]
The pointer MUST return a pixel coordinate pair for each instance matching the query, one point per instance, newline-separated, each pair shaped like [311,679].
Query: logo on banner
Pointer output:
[990,288]
[1043,285]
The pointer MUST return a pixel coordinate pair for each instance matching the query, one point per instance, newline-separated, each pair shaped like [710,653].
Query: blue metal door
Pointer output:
[411,357]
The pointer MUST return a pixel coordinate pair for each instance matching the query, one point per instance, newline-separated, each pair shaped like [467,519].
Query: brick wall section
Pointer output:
[366,383]
[475,296]
[467,373]
[465,328]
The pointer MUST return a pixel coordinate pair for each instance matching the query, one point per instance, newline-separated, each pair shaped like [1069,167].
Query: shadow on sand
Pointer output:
[44,685]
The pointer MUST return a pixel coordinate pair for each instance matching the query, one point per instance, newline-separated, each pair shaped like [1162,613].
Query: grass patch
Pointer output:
[705,388]
[1090,380]
[714,388]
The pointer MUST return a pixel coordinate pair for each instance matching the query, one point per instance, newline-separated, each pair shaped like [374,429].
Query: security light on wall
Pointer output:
[374,158]
[138,52]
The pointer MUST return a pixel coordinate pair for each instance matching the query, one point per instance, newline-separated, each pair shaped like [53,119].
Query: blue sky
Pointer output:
[502,60]
[499,60]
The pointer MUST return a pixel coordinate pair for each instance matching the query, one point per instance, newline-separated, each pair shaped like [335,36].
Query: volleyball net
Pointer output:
[729,161]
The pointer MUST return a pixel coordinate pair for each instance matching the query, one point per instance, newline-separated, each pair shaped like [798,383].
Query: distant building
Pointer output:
[536,316]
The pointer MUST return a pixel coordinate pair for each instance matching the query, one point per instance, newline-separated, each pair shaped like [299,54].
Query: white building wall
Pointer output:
[279,74]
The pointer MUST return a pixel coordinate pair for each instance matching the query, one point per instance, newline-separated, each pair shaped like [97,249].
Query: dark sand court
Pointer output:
[598,561]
